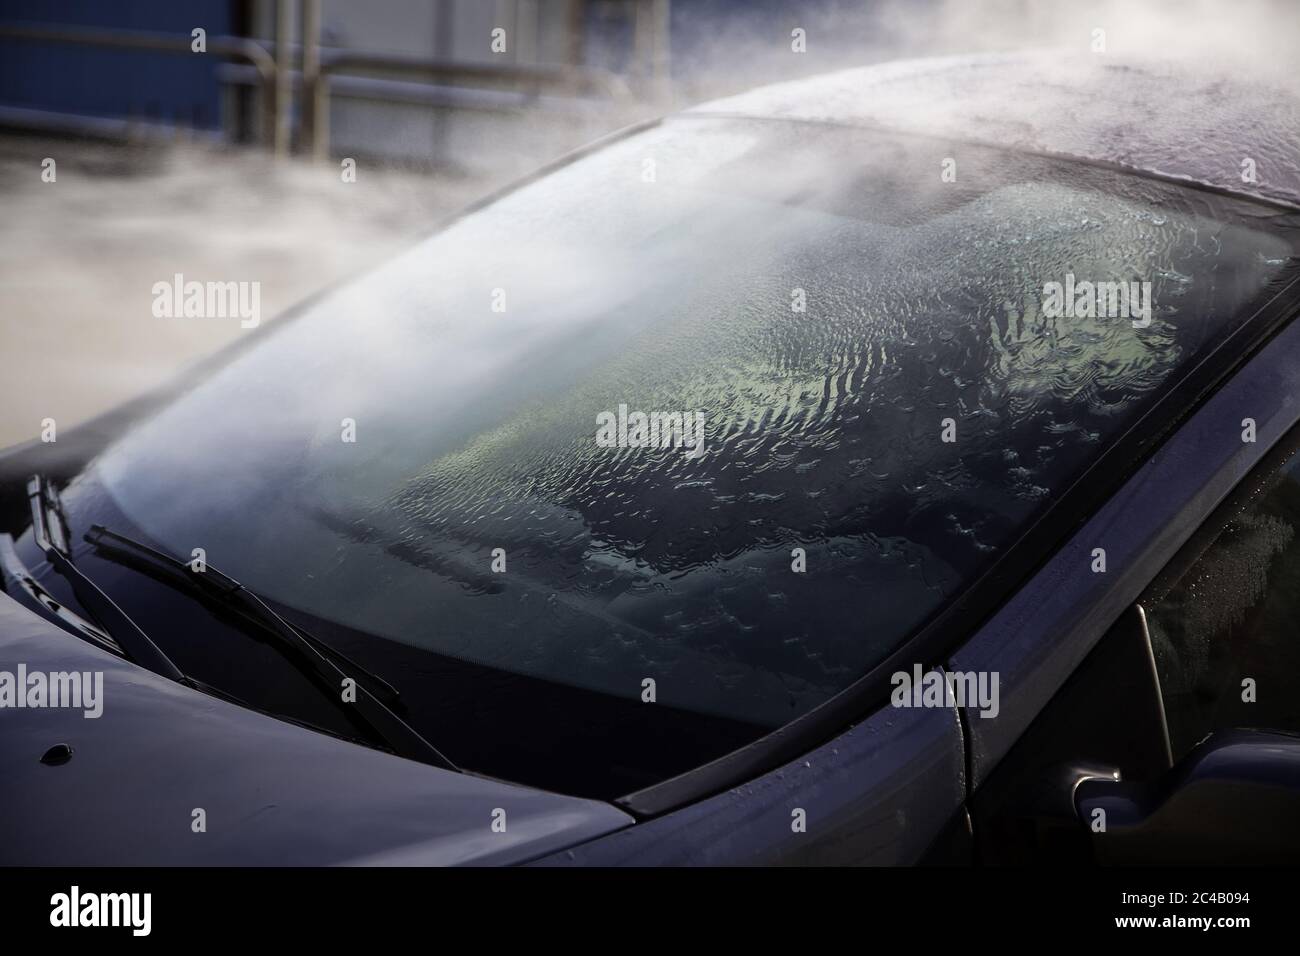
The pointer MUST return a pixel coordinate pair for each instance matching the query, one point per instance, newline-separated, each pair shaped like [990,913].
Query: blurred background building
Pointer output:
[416,81]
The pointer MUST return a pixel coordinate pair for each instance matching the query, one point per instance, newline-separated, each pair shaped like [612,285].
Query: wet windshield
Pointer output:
[730,406]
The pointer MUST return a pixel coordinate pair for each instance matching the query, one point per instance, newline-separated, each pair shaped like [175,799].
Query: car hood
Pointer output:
[272,793]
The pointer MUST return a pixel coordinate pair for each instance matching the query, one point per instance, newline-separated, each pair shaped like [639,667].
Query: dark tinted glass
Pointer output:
[1225,623]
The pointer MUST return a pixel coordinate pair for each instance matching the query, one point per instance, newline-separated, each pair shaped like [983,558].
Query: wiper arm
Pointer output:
[49,533]
[19,584]
[314,657]
[218,587]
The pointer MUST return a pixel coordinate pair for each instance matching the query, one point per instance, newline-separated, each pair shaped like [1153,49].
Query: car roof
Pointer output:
[1166,118]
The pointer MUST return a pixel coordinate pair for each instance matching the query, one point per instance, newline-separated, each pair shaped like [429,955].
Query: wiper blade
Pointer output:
[20,584]
[314,657]
[117,630]
[214,585]
[49,533]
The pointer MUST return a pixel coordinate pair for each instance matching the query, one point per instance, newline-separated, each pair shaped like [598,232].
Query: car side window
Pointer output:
[1224,617]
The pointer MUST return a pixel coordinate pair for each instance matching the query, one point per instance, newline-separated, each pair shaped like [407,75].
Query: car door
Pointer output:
[1175,738]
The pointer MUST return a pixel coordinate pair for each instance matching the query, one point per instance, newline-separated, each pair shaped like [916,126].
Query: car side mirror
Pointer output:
[1235,798]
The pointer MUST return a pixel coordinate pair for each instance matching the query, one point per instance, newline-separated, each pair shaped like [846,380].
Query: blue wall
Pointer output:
[90,81]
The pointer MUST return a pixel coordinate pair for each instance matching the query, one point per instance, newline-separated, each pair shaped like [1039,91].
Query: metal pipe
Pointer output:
[283,75]
[650,32]
[569,79]
[239,48]
[316,117]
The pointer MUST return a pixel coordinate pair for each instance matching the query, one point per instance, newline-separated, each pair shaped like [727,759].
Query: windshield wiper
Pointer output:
[49,532]
[313,657]
[215,586]
[20,584]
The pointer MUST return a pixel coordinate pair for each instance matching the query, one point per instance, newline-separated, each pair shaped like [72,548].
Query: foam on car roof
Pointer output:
[1162,117]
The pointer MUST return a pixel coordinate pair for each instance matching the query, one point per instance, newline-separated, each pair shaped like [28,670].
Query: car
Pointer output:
[892,466]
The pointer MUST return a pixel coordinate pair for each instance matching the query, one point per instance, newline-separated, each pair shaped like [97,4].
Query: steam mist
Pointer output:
[77,260]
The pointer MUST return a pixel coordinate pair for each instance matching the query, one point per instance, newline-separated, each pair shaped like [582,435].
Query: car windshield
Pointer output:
[665,448]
